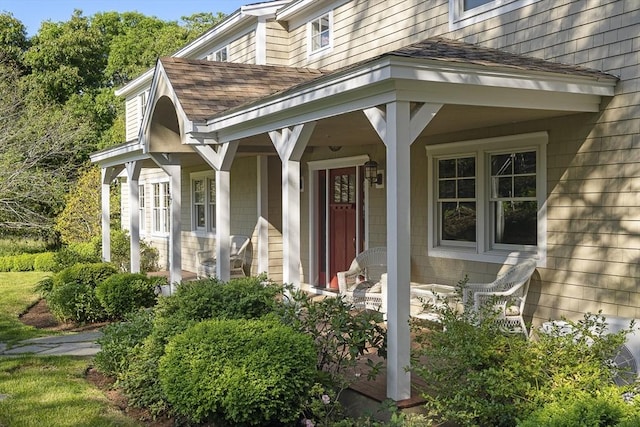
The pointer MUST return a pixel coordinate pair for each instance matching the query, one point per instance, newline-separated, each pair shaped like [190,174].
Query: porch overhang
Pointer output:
[390,79]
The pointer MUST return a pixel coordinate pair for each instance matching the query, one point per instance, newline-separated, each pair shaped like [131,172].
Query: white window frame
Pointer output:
[161,225]
[141,208]
[460,18]
[483,250]
[216,55]
[324,49]
[209,179]
[143,99]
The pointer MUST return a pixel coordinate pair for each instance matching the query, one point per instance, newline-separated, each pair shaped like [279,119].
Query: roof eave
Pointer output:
[387,71]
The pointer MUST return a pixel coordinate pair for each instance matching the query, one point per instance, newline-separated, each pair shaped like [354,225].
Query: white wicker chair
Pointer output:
[240,257]
[507,295]
[363,284]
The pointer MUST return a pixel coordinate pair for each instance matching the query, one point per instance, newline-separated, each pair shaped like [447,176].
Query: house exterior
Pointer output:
[501,129]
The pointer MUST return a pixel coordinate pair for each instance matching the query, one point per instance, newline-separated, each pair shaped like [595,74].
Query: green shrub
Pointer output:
[24,262]
[123,293]
[479,375]
[44,286]
[238,372]
[343,336]
[119,341]
[605,408]
[121,248]
[80,253]
[73,298]
[191,303]
[75,302]
[6,263]
[44,261]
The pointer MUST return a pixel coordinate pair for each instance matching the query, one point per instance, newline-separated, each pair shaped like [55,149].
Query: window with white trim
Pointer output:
[219,55]
[203,202]
[487,198]
[143,98]
[141,210]
[320,33]
[161,211]
[468,12]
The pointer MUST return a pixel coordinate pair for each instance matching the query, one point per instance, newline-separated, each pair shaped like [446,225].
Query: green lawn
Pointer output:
[44,391]
[16,294]
[52,391]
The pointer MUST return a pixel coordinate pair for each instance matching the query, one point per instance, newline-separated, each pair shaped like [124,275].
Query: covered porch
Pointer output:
[313,133]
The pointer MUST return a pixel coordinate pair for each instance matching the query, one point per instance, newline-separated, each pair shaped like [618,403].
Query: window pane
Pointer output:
[471,4]
[524,186]
[447,168]
[503,187]
[501,164]
[447,189]
[467,188]
[212,216]
[200,219]
[458,221]
[198,191]
[524,163]
[516,222]
[467,167]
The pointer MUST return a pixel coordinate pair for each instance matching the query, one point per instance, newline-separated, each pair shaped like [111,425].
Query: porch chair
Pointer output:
[363,284]
[240,257]
[507,294]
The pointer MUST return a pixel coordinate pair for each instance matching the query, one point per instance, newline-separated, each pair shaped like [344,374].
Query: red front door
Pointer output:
[343,225]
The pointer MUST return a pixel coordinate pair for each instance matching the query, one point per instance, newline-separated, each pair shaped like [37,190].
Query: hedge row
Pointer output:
[43,261]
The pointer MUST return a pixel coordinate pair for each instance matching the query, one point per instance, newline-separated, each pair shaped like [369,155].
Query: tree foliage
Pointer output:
[57,101]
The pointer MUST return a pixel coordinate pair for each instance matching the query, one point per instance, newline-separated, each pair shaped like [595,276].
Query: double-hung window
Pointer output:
[468,12]
[203,202]
[161,211]
[486,201]
[320,37]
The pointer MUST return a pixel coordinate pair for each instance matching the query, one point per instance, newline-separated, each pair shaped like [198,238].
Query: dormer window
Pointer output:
[219,55]
[320,33]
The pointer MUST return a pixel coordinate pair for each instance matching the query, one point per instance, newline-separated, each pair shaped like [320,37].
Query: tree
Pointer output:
[39,144]
[13,40]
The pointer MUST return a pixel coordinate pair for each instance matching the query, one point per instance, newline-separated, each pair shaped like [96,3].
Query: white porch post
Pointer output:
[172,168]
[133,174]
[107,174]
[221,161]
[223,224]
[263,214]
[398,127]
[290,144]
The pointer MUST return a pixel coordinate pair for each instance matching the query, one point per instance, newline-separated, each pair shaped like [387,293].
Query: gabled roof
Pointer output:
[206,88]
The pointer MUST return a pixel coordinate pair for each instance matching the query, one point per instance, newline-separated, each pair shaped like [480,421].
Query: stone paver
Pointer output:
[80,344]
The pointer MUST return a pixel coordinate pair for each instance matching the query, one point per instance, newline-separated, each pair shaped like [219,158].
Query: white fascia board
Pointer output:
[293,9]
[117,155]
[264,9]
[137,84]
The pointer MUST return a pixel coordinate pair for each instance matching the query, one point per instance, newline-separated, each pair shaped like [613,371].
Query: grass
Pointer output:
[17,292]
[44,391]
[52,391]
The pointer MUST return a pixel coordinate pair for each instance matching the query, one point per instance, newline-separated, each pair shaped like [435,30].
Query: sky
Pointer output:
[33,12]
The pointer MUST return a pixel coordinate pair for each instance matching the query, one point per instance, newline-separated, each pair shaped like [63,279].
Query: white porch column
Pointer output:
[263,214]
[133,174]
[221,160]
[171,167]
[290,144]
[398,127]
[107,175]
[223,224]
